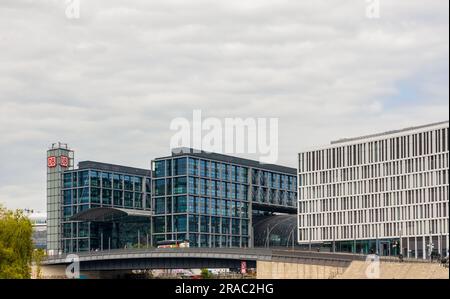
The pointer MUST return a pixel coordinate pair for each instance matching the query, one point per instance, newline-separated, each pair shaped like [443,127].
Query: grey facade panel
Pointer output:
[114,168]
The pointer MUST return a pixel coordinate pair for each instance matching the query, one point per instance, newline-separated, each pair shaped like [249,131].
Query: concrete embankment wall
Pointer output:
[351,270]
[391,270]
[280,270]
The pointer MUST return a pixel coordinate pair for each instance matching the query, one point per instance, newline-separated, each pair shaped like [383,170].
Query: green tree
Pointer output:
[205,274]
[38,257]
[16,245]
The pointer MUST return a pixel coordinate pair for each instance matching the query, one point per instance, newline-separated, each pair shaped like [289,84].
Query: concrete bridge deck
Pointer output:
[158,258]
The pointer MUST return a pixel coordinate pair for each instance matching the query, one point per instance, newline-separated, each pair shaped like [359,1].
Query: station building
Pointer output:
[208,199]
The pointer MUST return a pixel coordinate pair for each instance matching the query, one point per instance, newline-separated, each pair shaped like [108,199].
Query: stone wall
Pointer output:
[280,270]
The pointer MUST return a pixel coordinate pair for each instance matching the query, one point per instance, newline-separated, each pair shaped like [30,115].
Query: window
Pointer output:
[137,182]
[168,167]
[215,170]
[203,187]
[180,185]
[106,196]
[84,195]
[193,223]
[160,204]
[180,167]
[159,224]
[193,240]
[117,181]
[148,185]
[204,168]
[148,201]
[117,196]
[169,205]
[106,180]
[67,197]
[193,166]
[127,183]
[159,169]
[204,224]
[180,204]
[95,195]
[67,180]
[84,179]
[192,207]
[202,205]
[235,226]
[128,199]
[83,229]
[193,185]
[225,226]
[224,172]
[67,230]
[95,178]
[234,173]
[138,200]
[67,212]
[180,223]
[160,187]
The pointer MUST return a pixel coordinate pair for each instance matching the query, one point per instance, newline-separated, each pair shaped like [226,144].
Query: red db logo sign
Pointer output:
[64,161]
[51,161]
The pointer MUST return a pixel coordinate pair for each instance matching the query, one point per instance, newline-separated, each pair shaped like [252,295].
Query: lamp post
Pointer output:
[139,239]
[401,241]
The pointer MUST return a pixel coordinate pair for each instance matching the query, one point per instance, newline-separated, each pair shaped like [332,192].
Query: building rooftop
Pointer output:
[114,168]
[178,152]
[388,132]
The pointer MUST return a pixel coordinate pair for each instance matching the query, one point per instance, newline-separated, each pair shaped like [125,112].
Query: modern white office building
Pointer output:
[379,193]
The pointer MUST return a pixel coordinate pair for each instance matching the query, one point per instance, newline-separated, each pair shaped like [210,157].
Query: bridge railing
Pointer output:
[143,251]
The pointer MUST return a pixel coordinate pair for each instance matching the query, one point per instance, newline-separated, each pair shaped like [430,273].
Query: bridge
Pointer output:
[196,258]
[268,262]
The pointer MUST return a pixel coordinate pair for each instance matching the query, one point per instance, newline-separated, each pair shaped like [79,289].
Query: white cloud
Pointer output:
[110,83]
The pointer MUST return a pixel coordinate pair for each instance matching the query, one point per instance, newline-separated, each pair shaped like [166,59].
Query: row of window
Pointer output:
[400,198]
[413,145]
[106,197]
[274,196]
[382,170]
[76,230]
[202,168]
[201,205]
[224,172]
[375,231]
[105,180]
[405,182]
[200,223]
[274,180]
[425,211]
[199,186]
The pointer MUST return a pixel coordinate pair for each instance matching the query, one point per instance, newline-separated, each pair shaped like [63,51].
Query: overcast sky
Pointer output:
[110,82]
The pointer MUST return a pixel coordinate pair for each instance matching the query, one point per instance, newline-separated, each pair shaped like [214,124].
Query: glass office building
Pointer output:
[105,206]
[206,198]
[209,199]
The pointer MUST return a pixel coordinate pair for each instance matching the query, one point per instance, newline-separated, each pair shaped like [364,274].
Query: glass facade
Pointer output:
[208,202]
[85,189]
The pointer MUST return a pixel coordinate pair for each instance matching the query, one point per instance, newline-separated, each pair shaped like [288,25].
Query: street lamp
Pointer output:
[293,236]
